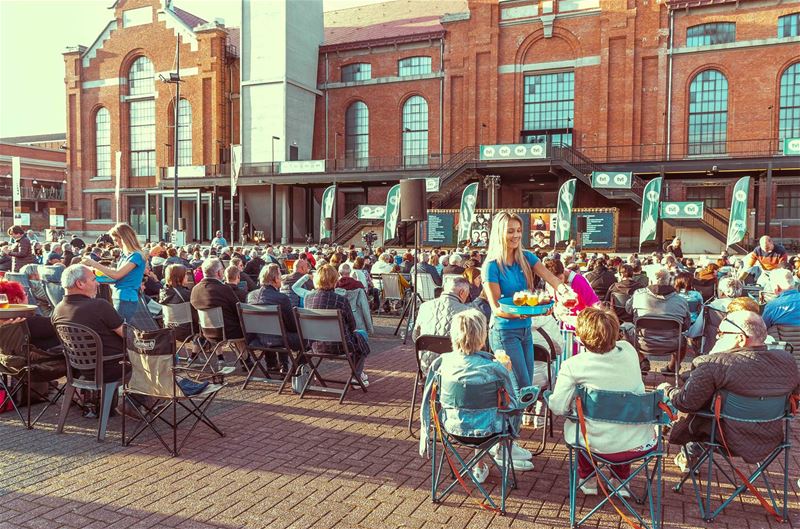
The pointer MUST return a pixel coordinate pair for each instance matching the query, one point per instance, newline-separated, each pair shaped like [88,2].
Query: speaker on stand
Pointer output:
[413,209]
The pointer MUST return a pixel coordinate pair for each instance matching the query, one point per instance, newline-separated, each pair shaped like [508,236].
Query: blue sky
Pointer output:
[33,35]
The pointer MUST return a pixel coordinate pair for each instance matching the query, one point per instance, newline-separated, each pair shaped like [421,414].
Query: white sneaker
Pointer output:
[480,472]
[364,380]
[517,452]
[520,465]
[621,492]
[527,419]
[589,487]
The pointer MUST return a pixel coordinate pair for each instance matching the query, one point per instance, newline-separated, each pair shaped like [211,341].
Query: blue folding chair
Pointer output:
[621,408]
[483,396]
[731,407]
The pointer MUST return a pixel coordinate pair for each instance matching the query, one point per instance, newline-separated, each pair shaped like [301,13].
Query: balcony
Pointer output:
[195,171]
[44,193]
[349,165]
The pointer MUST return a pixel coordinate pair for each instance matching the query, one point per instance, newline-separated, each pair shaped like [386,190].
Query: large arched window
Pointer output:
[789,117]
[102,142]
[142,118]
[184,133]
[708,113]
[415,131]
[356,135]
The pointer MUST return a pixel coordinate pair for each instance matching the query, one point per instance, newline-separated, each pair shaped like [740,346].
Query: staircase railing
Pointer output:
[345,225]
[454,166]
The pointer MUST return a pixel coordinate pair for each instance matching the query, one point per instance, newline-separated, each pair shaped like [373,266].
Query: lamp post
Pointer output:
[335,147]
[175,78]
[492,183]
[272,192]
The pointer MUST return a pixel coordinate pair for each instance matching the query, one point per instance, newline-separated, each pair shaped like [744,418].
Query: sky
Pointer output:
[33,36]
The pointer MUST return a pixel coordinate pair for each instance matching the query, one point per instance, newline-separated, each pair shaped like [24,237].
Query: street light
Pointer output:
[175,78]
[335,147]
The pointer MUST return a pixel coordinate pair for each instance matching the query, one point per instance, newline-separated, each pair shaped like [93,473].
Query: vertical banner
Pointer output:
[236,166]
[392,213]
[467,212]
[326,211]
[651,203]
[16,185]
[117,185]
[737,225]
[566,196]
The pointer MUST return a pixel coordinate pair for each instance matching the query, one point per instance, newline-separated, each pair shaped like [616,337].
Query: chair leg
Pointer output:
[107,398]
[69,393]
[413,405]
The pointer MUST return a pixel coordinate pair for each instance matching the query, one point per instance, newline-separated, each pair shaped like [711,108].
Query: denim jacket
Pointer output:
[476,368]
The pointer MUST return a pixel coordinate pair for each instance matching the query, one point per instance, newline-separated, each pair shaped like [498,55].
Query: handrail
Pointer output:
[454,165]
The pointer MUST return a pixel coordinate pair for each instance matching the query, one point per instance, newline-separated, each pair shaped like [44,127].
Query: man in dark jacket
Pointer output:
[21,250]
[269,295]
[425,267]
[211,292]
[454,265]
[619,293]
[601,278]
[748,369]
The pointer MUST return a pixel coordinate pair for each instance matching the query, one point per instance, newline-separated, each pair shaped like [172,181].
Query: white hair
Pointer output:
[751,323]
[662,276]
[730,287]
[781,279]
[344,270]
[211,267]
[455,259]
[72,274]
[456,284]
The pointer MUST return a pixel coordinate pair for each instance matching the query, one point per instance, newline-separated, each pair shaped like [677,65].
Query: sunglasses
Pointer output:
[721,333]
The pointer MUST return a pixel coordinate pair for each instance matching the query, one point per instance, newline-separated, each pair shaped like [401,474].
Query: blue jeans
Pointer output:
[126,309]
[518,345]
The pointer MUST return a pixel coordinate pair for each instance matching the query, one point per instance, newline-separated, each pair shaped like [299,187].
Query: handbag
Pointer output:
[298,381]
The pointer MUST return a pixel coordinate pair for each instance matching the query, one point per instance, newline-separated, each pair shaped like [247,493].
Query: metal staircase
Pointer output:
[350,224]
[581,167]
[714,222]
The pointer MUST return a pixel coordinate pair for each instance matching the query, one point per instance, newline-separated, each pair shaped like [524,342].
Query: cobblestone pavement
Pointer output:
[287,462]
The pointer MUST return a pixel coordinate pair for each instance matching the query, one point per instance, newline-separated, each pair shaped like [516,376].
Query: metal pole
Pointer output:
[177,117]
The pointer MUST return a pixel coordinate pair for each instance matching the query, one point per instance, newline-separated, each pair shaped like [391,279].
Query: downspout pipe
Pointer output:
[669,81]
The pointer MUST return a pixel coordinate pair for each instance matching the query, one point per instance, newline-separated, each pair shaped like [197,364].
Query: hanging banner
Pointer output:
[326,211]
[467,212]
[601,180]
[682,210]
[791,147]
[651,198]
[16,183]
[118,182]
[566,196]
[392,213]
[236,166]
[737,225]
[513,151]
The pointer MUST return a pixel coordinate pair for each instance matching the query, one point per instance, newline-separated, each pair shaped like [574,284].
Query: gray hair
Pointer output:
[232,272]
[344,270]
[268,274]
[455,284]
[662,276]
[751,323]
[424,257]
[730,287]
[781,279]
[211,267]
[468,331]
[455,259]
[72,274]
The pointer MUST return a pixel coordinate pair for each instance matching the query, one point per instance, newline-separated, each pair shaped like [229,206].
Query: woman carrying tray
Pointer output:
[509,268]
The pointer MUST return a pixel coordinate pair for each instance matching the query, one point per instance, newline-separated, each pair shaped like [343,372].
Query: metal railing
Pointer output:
[222,170]
[43,193]
[657,152]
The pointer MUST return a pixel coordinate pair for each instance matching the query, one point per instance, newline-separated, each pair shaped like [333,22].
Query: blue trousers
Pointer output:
[126,309]
[518,345]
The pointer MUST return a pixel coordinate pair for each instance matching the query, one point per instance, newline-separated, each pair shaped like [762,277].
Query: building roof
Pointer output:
[388,20]
[35,138]
[686,4]
[187,18]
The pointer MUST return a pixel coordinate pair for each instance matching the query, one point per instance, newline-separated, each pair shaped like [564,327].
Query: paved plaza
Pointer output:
[286,462]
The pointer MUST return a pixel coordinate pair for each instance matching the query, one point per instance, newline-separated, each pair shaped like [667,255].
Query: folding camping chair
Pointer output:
[733,408]
[325,325]
[620,408]
[711,320]
[391,289]
[16,372]
[54,292]
[483,396]
[425,343]
[212,325]
[154,375]
[266,320]
[84,352]
[180,314]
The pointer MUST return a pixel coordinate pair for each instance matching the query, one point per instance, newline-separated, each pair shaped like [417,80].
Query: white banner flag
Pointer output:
[16,184]
[236,166]
[117,185]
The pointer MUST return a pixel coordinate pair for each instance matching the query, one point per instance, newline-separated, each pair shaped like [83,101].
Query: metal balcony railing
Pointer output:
[43,193]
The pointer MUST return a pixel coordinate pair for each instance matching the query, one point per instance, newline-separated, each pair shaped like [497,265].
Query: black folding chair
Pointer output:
[266,320]
[664,328]
[155,376]
[84,352]
[425,343]
[327,326]
[212,325]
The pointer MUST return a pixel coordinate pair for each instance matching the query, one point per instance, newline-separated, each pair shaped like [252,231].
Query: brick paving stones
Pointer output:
[291,463]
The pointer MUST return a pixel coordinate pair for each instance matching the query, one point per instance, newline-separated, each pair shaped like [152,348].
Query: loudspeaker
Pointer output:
[181,224]
[581,224]
[412,200]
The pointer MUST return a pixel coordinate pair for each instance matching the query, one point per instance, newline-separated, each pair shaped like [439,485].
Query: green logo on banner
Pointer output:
[326,211]
[392,212]
[566,197]
[612,180]
[737,225]
[467,211]
[513,151]
[681,210]
[650,210]
[791,146]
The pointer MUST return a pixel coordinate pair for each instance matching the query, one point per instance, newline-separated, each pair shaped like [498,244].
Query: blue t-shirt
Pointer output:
[513,280]
[127,288]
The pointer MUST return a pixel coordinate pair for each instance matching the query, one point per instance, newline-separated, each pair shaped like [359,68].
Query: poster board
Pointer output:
[440,229]
[601,229]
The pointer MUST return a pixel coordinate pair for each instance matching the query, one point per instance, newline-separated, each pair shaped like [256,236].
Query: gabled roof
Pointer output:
[35,138]
[187,18]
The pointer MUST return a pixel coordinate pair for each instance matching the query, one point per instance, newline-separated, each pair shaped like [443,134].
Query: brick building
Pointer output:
[118,102]
[42,181]
[699,91]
